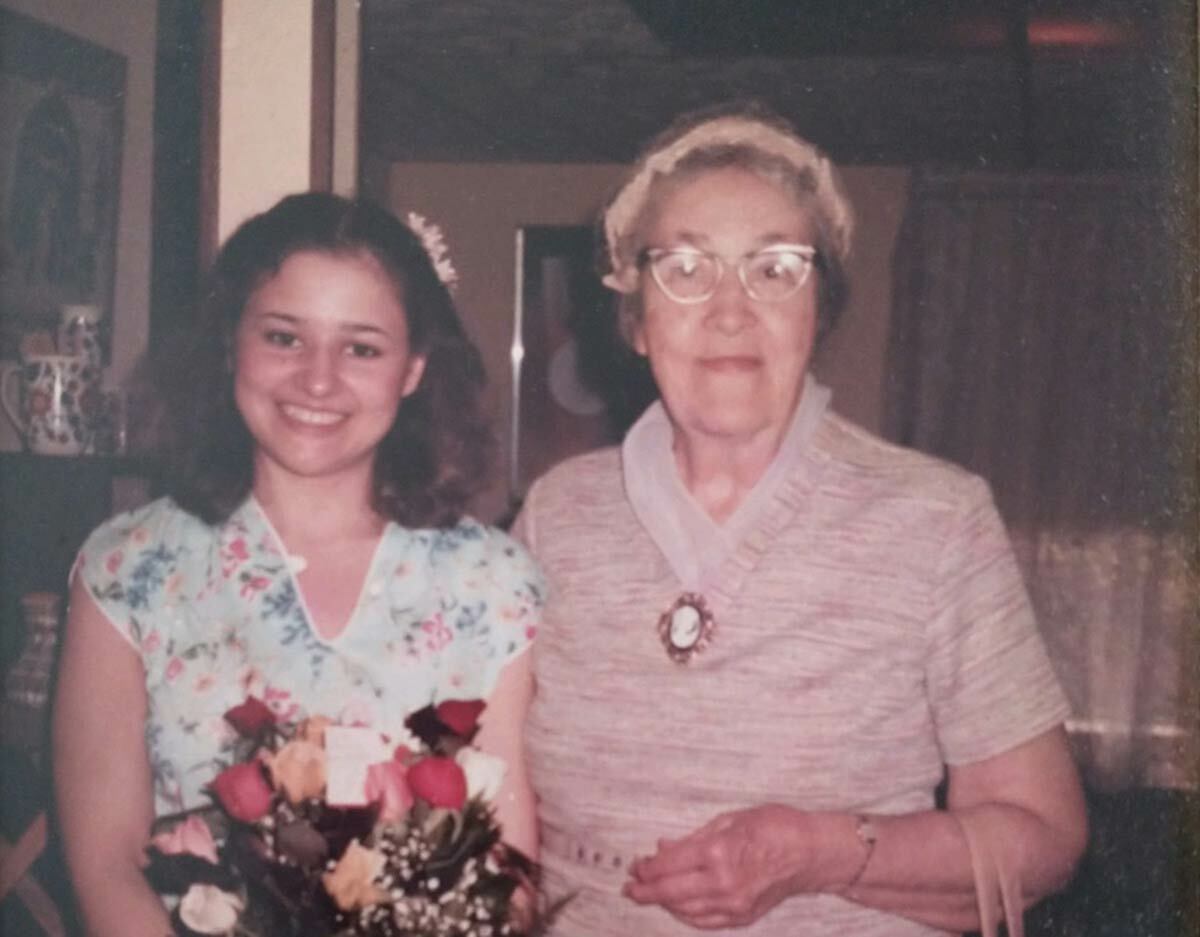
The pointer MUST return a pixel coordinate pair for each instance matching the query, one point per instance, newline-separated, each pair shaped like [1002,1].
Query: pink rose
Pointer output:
[440,781]
[250,717]
[387,785]
[460,716]
[174,668]
[243,791]
[191,837]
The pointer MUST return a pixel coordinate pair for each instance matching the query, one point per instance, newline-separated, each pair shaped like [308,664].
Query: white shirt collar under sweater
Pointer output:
[693,543]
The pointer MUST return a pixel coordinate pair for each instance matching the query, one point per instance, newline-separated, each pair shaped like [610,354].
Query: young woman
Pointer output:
[313,549]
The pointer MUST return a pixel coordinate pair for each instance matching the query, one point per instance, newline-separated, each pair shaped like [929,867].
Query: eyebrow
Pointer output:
[771,239]
[354,328]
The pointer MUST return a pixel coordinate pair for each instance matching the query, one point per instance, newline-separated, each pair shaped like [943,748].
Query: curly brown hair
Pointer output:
[436,454]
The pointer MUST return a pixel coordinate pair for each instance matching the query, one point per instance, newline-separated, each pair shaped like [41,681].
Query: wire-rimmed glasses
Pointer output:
[689,275]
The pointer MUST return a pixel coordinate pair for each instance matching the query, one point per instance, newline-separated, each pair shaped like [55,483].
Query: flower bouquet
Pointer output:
[323,830]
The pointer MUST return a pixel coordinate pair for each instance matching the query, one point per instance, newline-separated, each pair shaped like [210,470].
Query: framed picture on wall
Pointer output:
[61,126]
[576,384]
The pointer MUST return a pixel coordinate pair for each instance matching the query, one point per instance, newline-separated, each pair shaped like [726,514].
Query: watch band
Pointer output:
[867,833]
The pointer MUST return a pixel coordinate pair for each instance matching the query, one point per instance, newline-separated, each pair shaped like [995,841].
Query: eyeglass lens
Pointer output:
[692,276]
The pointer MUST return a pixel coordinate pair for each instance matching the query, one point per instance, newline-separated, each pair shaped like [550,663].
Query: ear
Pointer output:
[416,370]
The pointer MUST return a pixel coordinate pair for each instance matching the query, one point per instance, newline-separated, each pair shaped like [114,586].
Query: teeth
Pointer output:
[311,417]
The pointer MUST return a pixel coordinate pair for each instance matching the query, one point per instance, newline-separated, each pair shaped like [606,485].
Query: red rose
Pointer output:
[243,791]
[460,716]
[440,781]
[250,717]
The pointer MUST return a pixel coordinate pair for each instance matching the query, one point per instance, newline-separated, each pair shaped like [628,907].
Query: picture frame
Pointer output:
[61,130]
[577,385]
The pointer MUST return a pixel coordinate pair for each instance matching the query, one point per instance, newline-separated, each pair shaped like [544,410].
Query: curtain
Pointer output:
[1038,338]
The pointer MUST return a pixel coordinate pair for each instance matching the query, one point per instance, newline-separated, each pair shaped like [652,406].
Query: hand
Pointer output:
[735,868]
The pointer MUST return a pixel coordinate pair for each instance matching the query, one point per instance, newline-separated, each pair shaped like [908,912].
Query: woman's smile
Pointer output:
[731,364]
[309,417]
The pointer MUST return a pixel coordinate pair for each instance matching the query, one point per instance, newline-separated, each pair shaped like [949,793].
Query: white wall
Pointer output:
[266,106]
[128,27]
[481,206]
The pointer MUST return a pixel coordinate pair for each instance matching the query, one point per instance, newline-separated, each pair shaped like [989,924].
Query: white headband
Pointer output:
[629,202]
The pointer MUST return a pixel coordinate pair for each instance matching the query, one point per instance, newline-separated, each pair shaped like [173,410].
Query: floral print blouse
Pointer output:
[216,614]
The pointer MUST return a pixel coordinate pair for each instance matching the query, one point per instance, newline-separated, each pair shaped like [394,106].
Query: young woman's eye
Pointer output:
[362,350]
[280,338]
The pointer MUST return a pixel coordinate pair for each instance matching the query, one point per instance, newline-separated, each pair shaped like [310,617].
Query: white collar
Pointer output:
[693,543]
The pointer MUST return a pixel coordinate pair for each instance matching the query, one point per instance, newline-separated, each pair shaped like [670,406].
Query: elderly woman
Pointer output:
[770,635]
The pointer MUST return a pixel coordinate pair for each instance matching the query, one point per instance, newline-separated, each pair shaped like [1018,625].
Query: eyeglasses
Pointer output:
[689,275]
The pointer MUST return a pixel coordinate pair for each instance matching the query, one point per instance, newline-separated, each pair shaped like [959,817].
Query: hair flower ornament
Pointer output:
[434,243]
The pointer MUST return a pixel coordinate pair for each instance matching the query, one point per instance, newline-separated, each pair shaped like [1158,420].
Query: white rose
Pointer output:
[484,772]
[207,909]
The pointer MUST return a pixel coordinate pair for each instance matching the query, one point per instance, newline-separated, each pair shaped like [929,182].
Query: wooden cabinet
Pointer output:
[48,506]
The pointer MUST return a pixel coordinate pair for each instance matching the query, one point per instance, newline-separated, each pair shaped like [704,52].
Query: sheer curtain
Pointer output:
[1037,336]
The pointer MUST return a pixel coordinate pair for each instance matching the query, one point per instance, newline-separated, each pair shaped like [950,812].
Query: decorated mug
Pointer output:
[52,400]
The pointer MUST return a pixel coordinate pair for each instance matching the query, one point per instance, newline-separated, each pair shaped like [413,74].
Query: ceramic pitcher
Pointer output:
[52,400]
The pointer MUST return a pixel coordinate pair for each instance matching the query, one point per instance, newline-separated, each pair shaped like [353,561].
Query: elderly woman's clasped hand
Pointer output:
[734,869]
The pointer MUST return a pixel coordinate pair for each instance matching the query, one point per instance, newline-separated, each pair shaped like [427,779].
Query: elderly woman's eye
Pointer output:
[683,265]
[786,265]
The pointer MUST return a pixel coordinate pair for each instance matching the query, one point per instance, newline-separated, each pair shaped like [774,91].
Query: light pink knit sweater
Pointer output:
[872,627]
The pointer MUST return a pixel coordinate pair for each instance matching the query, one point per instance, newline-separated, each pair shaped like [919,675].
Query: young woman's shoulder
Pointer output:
[160,521]
[131,561]
[472,543]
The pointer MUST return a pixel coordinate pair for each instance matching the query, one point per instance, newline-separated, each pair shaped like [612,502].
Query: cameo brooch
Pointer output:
[687,627]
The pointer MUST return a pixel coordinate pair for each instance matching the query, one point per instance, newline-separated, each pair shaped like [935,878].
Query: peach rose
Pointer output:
[313,729]
[298,769]
[351,884]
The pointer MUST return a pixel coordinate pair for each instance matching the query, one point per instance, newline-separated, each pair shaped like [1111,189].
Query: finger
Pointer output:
[719,824]
[706,921]
[694,889]
[674,857]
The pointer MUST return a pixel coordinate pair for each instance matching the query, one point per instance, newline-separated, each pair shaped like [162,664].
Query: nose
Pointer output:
[318,373]
[729,309]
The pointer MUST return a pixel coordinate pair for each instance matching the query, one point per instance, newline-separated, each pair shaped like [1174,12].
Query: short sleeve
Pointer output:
[500,609]
[990,681]
[127,564]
